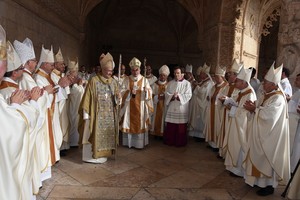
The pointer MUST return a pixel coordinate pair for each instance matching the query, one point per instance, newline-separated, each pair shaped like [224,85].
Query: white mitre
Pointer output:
[189,68]
[199,70]
[72,65]
[245,74]
[25,50]
[13,60]
[107,61]
[135,63]
[235,67]
[220,71]
[2,44]
[164,70]
[59,57]
[46,56]
[274,75]
[206,69]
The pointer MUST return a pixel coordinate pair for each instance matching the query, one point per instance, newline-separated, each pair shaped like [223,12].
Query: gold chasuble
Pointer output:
[99,103]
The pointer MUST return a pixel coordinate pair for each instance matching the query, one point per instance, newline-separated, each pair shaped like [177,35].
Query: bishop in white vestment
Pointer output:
[42,162]
[199,103]
[267,158]
[75,97]
[235,141]
[15,143]
[58,75]
[43,79]
[136,108]
[294,124]
[215,112]
[159,88]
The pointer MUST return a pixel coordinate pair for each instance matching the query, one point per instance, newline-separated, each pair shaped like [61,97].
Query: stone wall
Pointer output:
[20,22]
[289,37]
[219,32]
[163,31]
[211,35]
[199,31]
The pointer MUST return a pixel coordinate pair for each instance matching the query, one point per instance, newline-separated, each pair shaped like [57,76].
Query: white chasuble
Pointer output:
[75,96]
[15,144]
[268,154]
[55,135]
[214,115]
[42,150]
[198,108]
[294,125]
[135,111]
[62,103]
[235,141]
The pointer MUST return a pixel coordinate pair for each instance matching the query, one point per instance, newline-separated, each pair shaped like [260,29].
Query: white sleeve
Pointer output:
[85,115]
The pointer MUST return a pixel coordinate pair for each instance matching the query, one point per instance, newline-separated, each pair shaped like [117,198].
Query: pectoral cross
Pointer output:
[106,95]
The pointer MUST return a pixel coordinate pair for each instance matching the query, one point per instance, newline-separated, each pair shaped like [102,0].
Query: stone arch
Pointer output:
[180,56]
[195,8]
[250,25]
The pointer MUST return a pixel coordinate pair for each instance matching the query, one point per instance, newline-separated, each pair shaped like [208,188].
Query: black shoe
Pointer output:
[215,149]
[63,153]
[157,137]
[220,157]
[265,191]
[199,139]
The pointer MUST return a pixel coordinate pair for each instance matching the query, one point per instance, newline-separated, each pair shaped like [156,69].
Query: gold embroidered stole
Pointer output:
[6,84]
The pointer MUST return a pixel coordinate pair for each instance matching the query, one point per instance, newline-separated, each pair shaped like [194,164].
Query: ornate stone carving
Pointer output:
[291,33]
[253,26]
[269,22]
[237,40]
[239,12]
[290,57]
[249,55]
[237,54]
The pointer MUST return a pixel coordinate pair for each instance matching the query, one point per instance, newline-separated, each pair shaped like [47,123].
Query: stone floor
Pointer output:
[156,172]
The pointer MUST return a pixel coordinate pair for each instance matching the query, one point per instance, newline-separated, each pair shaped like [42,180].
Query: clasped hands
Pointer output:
[19,96]
[250,106]
[175,97]
[66,81]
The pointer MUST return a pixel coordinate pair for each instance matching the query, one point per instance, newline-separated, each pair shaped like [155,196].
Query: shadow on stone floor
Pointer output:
[156,172]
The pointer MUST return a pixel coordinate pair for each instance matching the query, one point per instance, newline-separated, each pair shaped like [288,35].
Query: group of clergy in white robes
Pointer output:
[257,135]
[148,104]
[36,103]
